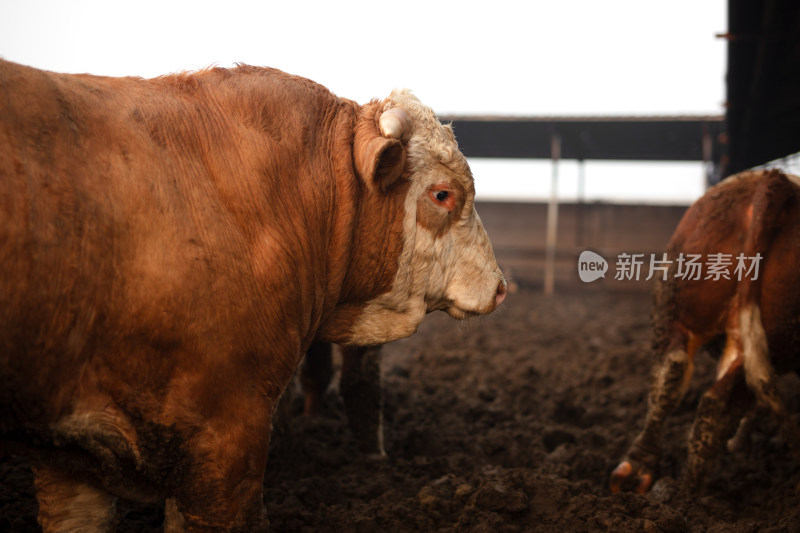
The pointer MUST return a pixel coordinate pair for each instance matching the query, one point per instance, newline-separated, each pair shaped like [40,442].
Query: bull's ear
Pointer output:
[378,149]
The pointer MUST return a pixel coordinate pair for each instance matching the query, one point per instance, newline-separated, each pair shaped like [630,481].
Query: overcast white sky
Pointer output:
[539,57]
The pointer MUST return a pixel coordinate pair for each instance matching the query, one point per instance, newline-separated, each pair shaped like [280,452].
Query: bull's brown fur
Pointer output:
[169,248]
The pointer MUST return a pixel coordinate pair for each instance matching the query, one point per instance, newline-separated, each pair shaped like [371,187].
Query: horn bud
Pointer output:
[395,124]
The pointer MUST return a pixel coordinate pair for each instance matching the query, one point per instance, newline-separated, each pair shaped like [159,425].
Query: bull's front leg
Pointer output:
[67,505]
[220,487]
[670,380]
[362,393]
[219,499]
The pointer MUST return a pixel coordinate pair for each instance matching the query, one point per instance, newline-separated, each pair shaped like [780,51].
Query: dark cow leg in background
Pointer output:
[359,386]
[717,418]
[670,381]
[67,505]
[315,375]
[362,393]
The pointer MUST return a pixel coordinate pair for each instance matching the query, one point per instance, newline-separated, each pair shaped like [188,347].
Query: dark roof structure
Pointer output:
[667,138]
[763,82]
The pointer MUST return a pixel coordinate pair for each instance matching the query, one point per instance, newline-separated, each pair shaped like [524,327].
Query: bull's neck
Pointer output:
[363,263]
[295,195]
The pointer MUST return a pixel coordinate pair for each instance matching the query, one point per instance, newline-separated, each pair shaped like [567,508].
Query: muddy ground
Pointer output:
[507,423]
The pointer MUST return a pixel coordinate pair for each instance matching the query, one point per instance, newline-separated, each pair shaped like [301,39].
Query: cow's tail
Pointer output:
[767,208]
[764,214]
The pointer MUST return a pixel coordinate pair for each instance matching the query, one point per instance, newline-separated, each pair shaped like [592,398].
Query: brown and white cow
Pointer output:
[169,249]
[752,318]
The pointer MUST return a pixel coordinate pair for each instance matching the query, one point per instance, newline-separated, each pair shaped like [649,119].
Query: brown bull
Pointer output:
[752,311]
[169,249]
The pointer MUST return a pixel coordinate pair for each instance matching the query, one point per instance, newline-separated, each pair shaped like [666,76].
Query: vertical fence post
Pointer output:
[581,197]
[708,166]
[552,218]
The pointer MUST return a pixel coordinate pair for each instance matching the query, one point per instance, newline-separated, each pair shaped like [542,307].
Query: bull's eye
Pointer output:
[443,197]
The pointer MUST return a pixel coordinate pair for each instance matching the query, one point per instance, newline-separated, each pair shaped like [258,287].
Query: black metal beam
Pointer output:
[621,138]
[763,81]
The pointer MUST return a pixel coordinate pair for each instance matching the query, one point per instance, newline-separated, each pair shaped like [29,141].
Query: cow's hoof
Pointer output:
[376,457]
[630,476]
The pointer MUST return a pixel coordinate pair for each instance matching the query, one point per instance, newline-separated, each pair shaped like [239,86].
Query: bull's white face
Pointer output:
[447,260]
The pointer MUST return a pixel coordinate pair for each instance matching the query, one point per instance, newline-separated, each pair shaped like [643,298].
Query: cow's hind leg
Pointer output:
[669,383]
[717,418]
[761,378]
[362,393]
[740,441]
[67,505]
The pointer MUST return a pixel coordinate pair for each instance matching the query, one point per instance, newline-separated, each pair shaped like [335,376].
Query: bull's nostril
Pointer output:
[501,293]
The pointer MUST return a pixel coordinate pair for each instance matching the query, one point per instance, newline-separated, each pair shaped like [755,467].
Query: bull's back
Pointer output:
[120,258]
[43,264]
[68,216]
[756,214]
